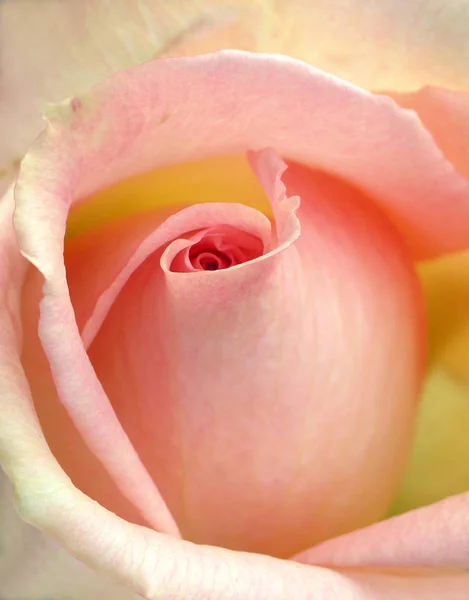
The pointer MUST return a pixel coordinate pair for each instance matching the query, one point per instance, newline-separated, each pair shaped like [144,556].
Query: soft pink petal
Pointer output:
[161,568]
[84,466]
[445,114]
[30,562]
[433,536]
[155,566]
[135,560]
[364,138]
[87,417]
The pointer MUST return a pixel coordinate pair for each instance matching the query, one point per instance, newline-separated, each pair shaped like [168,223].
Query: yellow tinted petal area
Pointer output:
[446,285]
[439,466]
[217,179]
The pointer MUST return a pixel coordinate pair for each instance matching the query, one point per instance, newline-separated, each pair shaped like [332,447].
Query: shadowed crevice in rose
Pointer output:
[214,249]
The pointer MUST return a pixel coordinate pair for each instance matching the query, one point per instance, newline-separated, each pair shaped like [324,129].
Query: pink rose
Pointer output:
[213,339]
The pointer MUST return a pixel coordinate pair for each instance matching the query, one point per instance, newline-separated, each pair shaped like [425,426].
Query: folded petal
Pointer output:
[445,114]
[433,536]
[83,437]
[181,103]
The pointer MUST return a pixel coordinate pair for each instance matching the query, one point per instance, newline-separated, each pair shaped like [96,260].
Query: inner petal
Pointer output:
[211,261]
[217,248]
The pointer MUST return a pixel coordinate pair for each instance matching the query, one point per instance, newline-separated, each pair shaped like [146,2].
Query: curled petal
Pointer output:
[217,248]
[445,113]
[180,103]
[80,44]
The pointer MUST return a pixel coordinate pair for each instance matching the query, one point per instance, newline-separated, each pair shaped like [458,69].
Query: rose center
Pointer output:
[206,258]
[217,248]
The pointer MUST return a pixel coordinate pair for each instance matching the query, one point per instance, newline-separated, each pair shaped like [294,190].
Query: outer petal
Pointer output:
[152,565]
[33,565]
[42,568]
[434,536]
[439,466]
[445,114]
[30,562]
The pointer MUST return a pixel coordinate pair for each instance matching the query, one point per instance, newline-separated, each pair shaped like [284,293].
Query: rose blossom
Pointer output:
[225,373]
